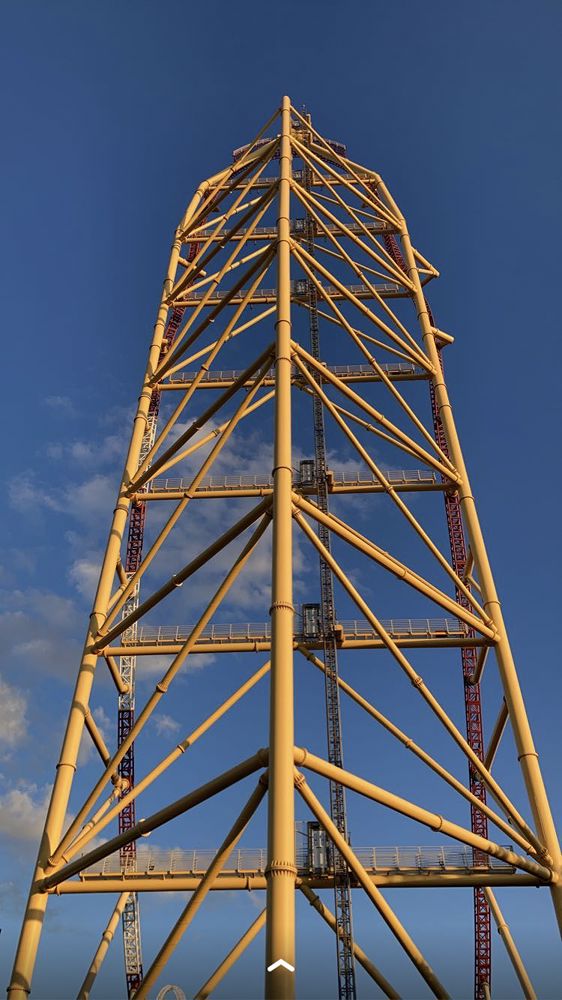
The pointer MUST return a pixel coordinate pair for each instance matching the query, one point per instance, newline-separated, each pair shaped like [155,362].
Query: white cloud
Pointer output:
[82,451]
[49,606]
[23,492]
[149,667]
[197,661]
[62,404]
[13,722]
[38,631]
[165,725]
[84,574]
[23,810]
[22,814]
[94,498]
[88,502]
[104,450]
[102,719]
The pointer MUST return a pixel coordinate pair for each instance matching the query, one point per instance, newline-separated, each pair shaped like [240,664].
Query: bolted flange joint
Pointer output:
[280,868]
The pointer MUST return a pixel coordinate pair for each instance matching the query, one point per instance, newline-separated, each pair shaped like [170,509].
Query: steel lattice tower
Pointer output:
[294,301]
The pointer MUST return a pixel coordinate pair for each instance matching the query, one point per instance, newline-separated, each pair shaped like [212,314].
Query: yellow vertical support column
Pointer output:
[528,756]
[20,985]
[281,869]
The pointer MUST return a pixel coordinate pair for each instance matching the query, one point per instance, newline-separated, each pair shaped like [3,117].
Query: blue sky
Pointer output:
[112,115]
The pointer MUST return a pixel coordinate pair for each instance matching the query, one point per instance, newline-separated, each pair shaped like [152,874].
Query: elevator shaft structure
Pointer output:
[130,918]
[338,813]
[293,280]
[470,672]
[474,729]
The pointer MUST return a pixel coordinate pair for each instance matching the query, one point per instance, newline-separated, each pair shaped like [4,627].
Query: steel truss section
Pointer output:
[474,731]
[327,629]
[290,240]
[127,667]
[472,699]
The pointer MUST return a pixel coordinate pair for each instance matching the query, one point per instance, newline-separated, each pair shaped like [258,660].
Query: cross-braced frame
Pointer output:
[244,279]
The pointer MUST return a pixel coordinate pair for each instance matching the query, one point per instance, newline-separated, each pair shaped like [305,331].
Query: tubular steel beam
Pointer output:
[120,684]
[192,567]
[528,756]
[423,690]
[97,738]
[345,959]
[264,645]
[20,983]
[93,829]
[360,955]
[232,957]
[157,819]
[340,253]
[361,375]
[281,867]
[160,690]
[106,939]
[476,677]
[398,437]
[386,912]
[253,880]
[364,545]
[497,733]
[194,904]
[200,442]
[423,755]
[215,492]
[419,814]
[138,481]
[105,636]
[510,947]
[389,489]
[204,352]
[382,375]
[255,207]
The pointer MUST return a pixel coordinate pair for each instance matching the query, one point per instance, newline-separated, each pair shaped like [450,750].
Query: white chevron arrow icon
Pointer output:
[278,963]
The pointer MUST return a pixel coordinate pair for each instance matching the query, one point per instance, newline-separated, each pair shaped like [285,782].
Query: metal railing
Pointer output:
[297,228]
[298,176]
[357,477]
[394,476]
[299,287]
[362,371]
[374,859]
[298,290]
[398,628]
[342,371]
[212,483]
[407,627]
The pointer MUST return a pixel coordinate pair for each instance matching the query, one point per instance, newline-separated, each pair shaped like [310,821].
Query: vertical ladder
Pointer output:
[342,882]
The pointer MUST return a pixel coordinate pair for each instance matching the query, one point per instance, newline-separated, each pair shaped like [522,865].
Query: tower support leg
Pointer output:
[281,868]
[526,750]
[24,963]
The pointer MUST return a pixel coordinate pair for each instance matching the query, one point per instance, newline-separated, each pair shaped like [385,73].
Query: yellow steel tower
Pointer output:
[293,238]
